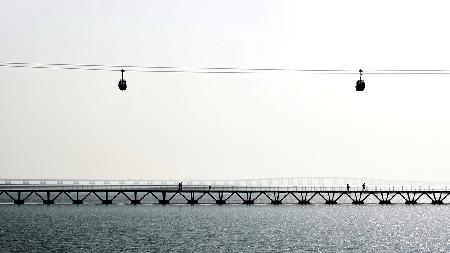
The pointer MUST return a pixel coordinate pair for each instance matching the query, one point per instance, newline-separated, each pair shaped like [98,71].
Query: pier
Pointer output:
[221,195]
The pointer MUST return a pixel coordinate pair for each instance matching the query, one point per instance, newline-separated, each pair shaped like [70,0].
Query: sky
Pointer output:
[77,124]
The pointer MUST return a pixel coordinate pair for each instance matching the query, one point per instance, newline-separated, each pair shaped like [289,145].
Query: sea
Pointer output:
[227,228]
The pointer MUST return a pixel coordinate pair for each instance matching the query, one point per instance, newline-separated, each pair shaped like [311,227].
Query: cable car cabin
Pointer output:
[122,84]
[360,85]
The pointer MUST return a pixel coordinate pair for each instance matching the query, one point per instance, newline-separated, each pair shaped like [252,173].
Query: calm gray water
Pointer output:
[229,228]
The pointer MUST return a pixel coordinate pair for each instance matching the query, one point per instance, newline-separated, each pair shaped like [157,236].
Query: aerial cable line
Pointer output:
[225,70]
[413,70]
[360,84]
[114,68]
[85,65]
[144,68]
[119,70]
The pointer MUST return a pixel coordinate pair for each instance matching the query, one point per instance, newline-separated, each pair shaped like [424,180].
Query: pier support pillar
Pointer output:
[77,202]
[437,198]
[330,197]
[48,200]
[357,202]
[135,201]
[220,202]
[249,202]
[411,198]
[106,201]
[384,198]
[19,201]
[163,201]
[277,199]
[192,201]
[304,198]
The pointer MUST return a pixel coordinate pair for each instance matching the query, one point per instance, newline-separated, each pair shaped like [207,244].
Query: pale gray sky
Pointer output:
[77,124]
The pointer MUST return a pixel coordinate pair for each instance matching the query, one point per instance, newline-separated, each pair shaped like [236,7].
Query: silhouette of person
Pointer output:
[348,187]
[209,187]
[180,186]
[364,186]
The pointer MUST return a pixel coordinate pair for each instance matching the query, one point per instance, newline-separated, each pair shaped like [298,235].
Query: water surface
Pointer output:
[229,228]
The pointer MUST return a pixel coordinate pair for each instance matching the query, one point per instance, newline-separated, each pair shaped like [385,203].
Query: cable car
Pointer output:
[360,85]
[122,82]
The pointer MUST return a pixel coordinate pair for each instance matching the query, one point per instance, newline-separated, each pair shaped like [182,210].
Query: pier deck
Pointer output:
[220,195]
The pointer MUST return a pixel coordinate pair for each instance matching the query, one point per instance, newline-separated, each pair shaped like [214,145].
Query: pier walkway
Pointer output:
[164,194]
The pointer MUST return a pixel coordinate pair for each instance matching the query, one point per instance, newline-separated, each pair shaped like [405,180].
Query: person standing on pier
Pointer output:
[348,187]
[180,186]
[364,186]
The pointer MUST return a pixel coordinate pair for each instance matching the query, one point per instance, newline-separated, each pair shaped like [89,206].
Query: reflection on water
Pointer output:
[229,228]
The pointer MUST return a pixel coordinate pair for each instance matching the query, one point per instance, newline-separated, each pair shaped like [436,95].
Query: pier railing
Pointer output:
[205,188]
[282,181]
